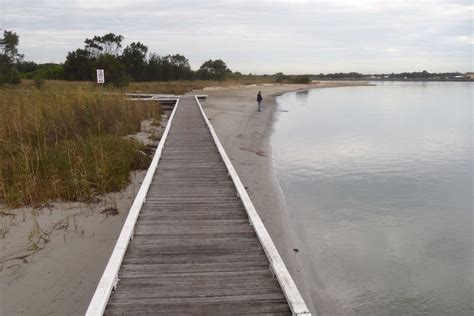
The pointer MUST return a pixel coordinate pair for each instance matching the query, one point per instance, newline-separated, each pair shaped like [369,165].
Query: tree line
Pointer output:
[9,58]
[415,75]
[121,64]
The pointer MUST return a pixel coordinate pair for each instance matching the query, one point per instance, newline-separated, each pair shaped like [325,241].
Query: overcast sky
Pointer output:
[260,36]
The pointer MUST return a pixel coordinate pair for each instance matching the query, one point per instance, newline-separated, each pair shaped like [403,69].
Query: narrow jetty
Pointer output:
[193,242]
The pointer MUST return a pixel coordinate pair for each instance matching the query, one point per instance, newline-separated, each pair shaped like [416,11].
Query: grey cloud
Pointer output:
[261,35]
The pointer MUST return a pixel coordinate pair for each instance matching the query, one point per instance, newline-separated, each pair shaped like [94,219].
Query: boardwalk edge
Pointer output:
[291,292]
[109,278]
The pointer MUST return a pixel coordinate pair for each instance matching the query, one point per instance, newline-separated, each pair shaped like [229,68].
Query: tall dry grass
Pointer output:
[181,87]
[165,87]
[66,141]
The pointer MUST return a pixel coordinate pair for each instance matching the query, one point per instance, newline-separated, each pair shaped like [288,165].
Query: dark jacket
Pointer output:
[259,97]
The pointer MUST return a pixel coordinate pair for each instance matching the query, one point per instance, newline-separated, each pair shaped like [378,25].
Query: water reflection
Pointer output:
[302,95]
[378,181]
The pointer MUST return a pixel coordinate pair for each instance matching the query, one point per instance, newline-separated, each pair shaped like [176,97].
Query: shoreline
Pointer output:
[246,137]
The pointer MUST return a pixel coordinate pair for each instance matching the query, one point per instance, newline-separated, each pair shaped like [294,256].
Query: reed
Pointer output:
[171,87]
[66,141]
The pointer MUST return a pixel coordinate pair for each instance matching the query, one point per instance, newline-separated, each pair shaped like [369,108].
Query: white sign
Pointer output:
[100,76]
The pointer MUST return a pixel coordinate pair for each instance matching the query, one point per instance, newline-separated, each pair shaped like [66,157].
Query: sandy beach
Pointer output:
[58,277]
[57,273]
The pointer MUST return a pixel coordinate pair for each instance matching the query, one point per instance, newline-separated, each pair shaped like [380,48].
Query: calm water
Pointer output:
[378,184]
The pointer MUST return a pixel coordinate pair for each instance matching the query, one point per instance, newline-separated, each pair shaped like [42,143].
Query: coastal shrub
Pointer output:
[302,79]
[38,81]
[115,71]
[281,78]
[67,143]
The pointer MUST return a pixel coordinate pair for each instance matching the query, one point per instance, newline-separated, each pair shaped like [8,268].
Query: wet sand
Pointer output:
[60,276]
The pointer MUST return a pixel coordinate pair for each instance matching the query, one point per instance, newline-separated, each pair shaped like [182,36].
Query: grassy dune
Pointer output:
[181,87]
[65,141]
[166,87]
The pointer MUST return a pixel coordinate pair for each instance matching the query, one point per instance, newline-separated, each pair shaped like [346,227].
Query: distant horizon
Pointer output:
[303,73]
[260,36]
[196,66]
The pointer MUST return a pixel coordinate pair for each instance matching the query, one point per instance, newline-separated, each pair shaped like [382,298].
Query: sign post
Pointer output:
[100,77]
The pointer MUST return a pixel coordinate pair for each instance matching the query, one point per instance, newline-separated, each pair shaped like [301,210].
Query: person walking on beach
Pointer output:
[259,101]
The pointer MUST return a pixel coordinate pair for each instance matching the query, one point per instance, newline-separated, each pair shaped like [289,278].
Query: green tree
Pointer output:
[26,67]
[109,44]
[280,77]
[10,42]
[213,70]
[180,66]
[170,67]
[166,69]
[8,74]
[50,71]
[9,57]
[115,72]
[79,65]
[304,79]
[153,69]
[134,60]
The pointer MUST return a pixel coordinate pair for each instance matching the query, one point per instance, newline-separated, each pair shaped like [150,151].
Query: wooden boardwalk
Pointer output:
[193,250]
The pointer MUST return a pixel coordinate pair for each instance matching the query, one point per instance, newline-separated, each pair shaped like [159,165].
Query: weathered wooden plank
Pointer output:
[184,287]
[191,194]
[186,189]
[189,206]
[153,215]
[191,187]
[207,278]
[187,168]
[204,222]
[169,181]
[144,270]
[206,215]
[201,258]
[201,299]
[193,200]
[177,244]
[212,161]
[176,207]
[190,174]
[240,231]
[204,199]
[138,307]
[191,190]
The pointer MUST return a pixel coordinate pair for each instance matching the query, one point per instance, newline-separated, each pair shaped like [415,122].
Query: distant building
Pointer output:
[469,75]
